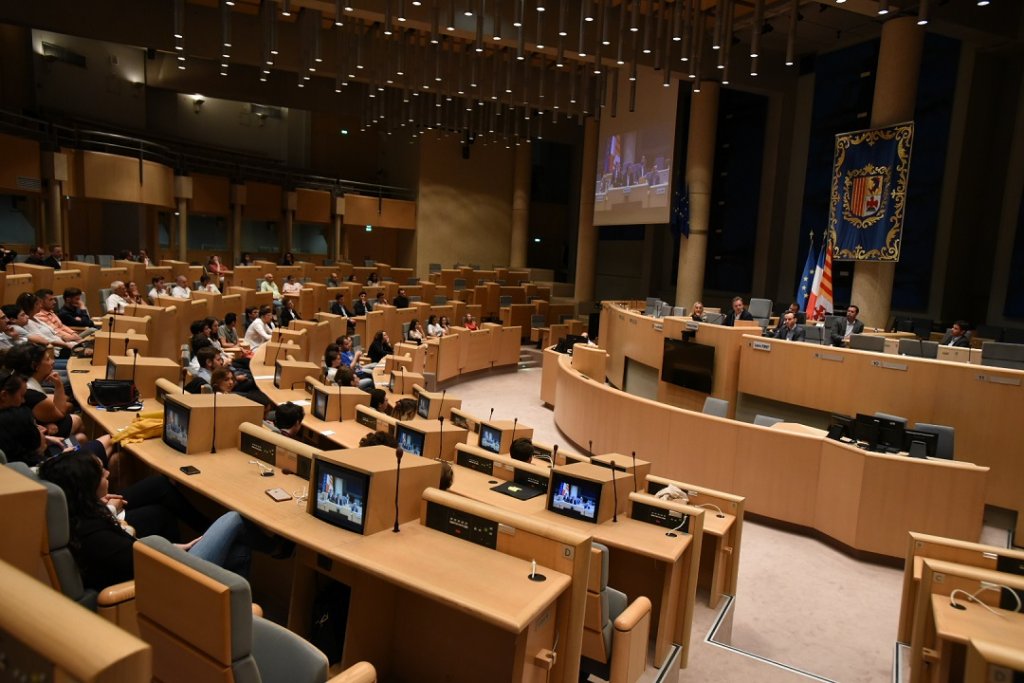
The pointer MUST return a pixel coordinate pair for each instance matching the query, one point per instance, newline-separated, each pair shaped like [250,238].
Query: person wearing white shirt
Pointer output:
[206,286]
[181,290]
[433,329]
[268,285]
[159,289]
[117,301]
[290,286]
[260,331]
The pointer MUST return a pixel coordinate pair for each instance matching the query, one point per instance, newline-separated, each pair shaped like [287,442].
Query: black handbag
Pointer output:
[112,393]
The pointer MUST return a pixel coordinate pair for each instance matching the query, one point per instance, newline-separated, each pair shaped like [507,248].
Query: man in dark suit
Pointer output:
[739,312]
[55,257]
[363,306]
[401,301]
[957,335]
[790,331]
[847,326]
[36,257]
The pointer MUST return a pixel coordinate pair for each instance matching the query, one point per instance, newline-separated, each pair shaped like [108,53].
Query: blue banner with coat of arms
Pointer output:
[869,193]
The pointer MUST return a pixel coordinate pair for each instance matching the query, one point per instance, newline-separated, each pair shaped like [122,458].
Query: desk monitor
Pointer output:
[277,374]
[176,420]
[566,343]
[320,401]
[391,383]
[423,406]
[409,440]
[866,429]
[688,364]
[366,419]
[341,496]
[474,462]
[111,369]
[490,438]
[574,497]
[890,434]
[840,426]
[459,419]
[928,440]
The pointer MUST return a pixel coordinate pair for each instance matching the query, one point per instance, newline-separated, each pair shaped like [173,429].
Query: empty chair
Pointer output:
[718,407]
[1012,335]
[369,263]
[232,643]
[474,266]
[415,297]
[715,318]
[81,257]
[1002,355]
[440,299]
[104,293]
[504,301]
[945,446]
[538,321]
[105,260]
[767,420]
[867,342]
[412,281]
[922,328]
[614,632]
[918,348]
[813,334]
[459,284]
[329,262]
[356,341]
[679,311]
[988,332]
[760,308]
[434,267]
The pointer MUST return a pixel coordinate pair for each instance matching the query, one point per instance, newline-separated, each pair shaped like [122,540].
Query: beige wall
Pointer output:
[464,210]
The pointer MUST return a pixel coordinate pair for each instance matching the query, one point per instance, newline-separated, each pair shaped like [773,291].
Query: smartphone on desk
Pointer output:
[190,469]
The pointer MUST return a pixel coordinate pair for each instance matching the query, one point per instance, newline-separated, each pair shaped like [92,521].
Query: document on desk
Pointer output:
[263,377]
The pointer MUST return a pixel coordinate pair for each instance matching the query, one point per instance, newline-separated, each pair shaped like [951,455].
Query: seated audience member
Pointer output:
[379,401]
[332,361]
[401,301]
[143,258]
[261,330]
[24,440]
[287,420]
[447,476]
[415,333]
[222,380]
[6,256]
[363,306]
[380,301]
[468,322]
[36,257]
[291,286]
[521,450]
[380,347]
[117,302]
[55,257]
[208,360]
[789,330]
[332,280]
[404,410]
[339,308]
[245,259]
[215,268]
[268,285]
[378,439]
[957,335]
[372,280]
[739,312]
[8,337]
[228,332]
[251,313]
[698,312]
[288,259]
[134,295]
[72,313]
[14,332]
[433,329]
[344,377]
[46,314]
[847,326]
[181,290]
[795,310]
[159,288]
[102,547]
[288,313]
[32,305]
[54,411]
[349,357]
[206,285]
[446,327]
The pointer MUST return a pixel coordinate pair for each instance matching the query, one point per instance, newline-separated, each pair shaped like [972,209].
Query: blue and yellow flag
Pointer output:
[869,193]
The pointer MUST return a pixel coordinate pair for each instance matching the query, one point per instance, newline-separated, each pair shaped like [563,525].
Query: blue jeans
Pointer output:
[223,544]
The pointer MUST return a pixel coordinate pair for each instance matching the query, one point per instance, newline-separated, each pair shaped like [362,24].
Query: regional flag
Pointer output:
[819,302]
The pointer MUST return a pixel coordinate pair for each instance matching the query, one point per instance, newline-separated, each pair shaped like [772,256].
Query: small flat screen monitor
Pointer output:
[688,364]
[423,406]
[366,419]
[111,369]
[573,497]
[341,496]
[840,426]
[277,375]
[409,440]
[490,438]
[320,399]
[176,418]
[866,429]
[929,440]
[890,434]
[391,383]
[460,421]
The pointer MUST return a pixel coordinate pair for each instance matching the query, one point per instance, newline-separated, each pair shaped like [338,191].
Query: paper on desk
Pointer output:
[302,402]
[263,377]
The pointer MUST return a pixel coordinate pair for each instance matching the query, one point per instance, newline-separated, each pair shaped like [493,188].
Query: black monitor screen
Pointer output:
[841,425]
[490,439]
[111,369]
[572,497]
[460,421]
[688,364]
[341,496]
[176,417]
[277,375]
[929,440]
[320,399]
[866,429]
[890,434]
[409,440]
[391,383]
[423,407]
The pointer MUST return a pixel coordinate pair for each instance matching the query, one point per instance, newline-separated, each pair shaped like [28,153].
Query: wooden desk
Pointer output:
[988,662]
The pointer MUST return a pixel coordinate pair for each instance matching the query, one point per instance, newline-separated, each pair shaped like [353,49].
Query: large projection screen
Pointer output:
[634,159]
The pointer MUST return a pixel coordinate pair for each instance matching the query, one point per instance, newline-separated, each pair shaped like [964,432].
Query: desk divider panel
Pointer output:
[341,402]
[117,343]
[638,469]
[498,466]
[144,370]
[438,407]
[125,323]
[275,449]
[290,373]
[163,318]
[192,421]
[562,549]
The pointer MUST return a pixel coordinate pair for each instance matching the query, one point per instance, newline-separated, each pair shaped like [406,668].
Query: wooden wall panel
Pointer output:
[313,206]
[393,213]
[211,195]
[97,175]
[20,159]
[262,201]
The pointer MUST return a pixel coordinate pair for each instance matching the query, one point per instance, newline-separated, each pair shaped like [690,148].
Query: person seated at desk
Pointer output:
[268,285]
[401,301]
[46,313]
[333,281]
[159,288]
[206,285]
[739,312]
[72,313]
[433,329]
[288,259]
[287,420]
[404,410]
[469,323]
[245,259]
[698,312]
[134,293]
[216,268]
[31,305]
[372,280]
[181,290]
[290,285]
[957,335]
[446,327]
[522,450]
[102,547]
[207,359]
[222,380]
[339,308]
[789,330]
[379,401]
[349,357]
[55,257]
[363,306]
[54,412]
[36,257]
[13,322]
[117,302]
[847,326]
[6,256]
[380,347]
[795,310]
[415,333]
[143,258]
[381,300]
[288,313]
[261,330]
[228,332]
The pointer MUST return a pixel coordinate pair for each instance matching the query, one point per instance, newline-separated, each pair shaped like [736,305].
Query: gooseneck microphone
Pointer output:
[515,421]
[491,415]
[110,335]
[634,472]
[398,474]
[126,340]
[213,446]
[440,440]
[135,360]
[277,351]
[590,451]
[615,492]
[554,455]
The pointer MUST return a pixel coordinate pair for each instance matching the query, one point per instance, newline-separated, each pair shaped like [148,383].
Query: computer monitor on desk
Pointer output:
[490,438]
[341,496]
[879,433]
[840,426]
[574,497]
[410,440]
[927,443]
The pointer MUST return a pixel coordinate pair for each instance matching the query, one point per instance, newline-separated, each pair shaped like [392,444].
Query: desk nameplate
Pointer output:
[996,379]
[834,357]
[761,346]
[889,365]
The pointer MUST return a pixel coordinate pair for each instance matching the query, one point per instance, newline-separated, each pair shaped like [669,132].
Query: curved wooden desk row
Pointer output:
[865,501]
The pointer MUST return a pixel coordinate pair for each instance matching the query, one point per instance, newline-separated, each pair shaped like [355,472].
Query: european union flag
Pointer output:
[869,193]
[803,289]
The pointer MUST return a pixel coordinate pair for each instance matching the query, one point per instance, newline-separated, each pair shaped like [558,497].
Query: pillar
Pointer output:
[55,170]
[339,215]
[183,193]
[291,200]
[899,62]
[586,238]
[237,202]
[521,207]
[700,162]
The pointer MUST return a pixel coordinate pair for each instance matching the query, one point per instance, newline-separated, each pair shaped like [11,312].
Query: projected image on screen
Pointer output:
[410,441]
[341,496]
[573,497]
[633,183]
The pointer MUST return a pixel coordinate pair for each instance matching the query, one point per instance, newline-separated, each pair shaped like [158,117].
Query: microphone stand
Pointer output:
[110,335]
[634,472]
[440,440]
[615,493]
[398,474]
[213,446]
